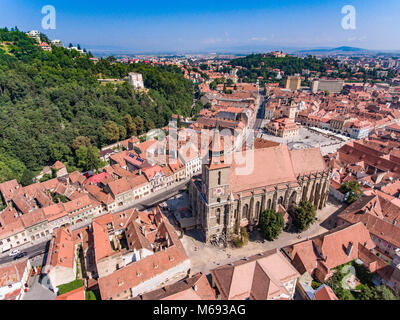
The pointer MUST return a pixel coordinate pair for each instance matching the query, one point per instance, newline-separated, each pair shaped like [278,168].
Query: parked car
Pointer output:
[20,255]
[14,253]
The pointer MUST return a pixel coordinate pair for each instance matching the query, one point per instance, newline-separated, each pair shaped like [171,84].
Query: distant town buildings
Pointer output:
[332,86]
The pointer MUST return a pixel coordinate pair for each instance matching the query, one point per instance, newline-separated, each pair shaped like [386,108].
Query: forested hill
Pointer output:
[260,65]
[53,108]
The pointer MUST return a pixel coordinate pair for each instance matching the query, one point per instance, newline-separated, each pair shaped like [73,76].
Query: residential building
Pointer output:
[14,279]
[195,287]
[60,267]
[293,82]
[266,276]
[318,256]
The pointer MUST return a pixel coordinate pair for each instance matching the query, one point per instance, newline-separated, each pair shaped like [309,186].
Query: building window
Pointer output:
[219,177]
[219,216]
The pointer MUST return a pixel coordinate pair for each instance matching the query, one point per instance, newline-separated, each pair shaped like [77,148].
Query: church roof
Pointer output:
[272,166]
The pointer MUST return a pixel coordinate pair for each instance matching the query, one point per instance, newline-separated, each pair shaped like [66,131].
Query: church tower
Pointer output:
[292,109]
[215,184]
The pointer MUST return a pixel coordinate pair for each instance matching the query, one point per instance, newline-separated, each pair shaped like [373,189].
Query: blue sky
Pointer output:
[140,26]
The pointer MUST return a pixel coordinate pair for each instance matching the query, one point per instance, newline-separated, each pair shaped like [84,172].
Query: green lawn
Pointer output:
[64,288]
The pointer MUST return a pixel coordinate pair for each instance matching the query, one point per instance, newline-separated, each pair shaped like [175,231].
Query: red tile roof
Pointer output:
[77,294]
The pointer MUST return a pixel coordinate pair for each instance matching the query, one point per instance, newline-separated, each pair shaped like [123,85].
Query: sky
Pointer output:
[208,26]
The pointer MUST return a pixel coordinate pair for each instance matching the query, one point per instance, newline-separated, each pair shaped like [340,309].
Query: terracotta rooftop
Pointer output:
[196,287]
[259,277]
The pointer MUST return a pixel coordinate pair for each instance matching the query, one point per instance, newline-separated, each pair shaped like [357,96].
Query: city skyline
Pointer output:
[182,27]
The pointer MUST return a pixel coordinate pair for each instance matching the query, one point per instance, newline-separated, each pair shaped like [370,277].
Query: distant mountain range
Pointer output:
[338,50]
[345,50]
[245,50]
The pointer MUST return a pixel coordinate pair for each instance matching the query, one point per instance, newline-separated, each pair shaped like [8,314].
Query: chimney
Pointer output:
[349,248]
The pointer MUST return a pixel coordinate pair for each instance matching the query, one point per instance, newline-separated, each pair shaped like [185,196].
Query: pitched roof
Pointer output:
[324,292]
[196,287]
[140,271]
[260,277]
[102,245]
[271,166]
[8,188]
[331,249]
[12,272]
[307,160]
[77,294]
[63,250]
[169,254]
[375,225]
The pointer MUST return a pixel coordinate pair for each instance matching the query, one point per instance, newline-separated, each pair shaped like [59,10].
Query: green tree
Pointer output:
[48,100]
[352,191]
[303,215]
[112,131]
[130,125]
[88,158]
[81,157]
[92,158]
[5,172]
[271,224]
[81,141]
[139,124]
[27,178]
[150,125]
[366,293]
[385,293]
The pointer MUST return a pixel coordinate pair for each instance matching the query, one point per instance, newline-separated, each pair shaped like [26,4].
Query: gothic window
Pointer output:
[219,216]
[269,204]
[258,209]
[280,201]
[245,211]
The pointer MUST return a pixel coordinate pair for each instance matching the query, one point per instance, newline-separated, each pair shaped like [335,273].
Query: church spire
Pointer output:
[215,145]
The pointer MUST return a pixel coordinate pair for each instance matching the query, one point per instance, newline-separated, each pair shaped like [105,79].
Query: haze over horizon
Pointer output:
[234,26]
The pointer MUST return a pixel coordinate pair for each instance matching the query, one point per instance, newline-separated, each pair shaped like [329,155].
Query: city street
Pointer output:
[31,251]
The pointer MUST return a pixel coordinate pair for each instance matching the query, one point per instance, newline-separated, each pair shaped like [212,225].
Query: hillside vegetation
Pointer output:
[52,106]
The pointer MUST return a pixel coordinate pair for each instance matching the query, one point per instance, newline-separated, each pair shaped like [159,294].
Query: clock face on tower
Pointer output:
[218,192]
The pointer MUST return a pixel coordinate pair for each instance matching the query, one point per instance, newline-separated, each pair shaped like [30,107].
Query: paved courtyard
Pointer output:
[206,257]
[309,138]
[37,291]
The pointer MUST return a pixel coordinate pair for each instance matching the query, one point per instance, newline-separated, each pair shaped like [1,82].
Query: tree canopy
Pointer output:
[352,191]
[51,103]
[271,224]
[303,215]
